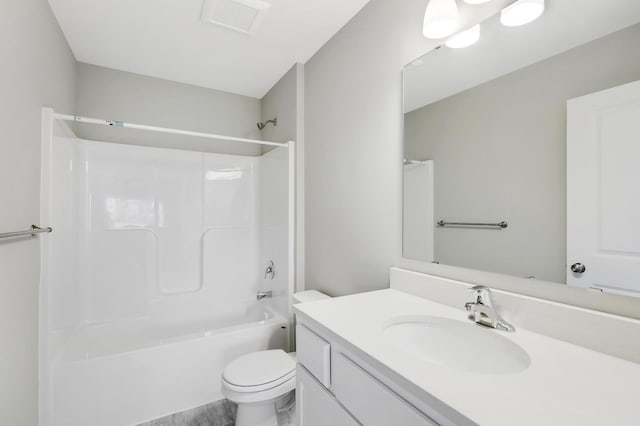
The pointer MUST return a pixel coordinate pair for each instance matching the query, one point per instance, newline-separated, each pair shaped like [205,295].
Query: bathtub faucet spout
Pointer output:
[264,294]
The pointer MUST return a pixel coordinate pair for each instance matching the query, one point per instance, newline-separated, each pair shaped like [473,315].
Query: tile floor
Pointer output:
[219,413]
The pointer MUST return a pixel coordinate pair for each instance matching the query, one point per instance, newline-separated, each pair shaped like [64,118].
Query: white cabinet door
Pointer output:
[315,406]
[603,190]
[314,353]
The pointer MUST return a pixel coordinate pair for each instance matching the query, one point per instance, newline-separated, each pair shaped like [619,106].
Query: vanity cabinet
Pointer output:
[370,401]
[315,405]
[314,352]
[334,389]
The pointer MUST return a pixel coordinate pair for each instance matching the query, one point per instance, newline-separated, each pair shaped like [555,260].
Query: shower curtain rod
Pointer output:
[123,124]
[33,231]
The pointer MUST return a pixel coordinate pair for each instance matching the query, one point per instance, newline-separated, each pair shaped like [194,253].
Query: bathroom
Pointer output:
[322,196]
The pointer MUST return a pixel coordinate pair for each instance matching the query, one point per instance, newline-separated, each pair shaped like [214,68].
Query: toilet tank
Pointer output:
[308,296]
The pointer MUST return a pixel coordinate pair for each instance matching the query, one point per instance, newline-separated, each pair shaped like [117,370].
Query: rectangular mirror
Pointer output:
[521,151]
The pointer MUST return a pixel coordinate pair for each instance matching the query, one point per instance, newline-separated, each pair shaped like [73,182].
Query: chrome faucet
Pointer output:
[483,309]
[264,295]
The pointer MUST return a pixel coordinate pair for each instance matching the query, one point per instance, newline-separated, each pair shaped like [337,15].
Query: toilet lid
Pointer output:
[258,369]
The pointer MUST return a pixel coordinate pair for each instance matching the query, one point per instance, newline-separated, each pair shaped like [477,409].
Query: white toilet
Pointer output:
[258,380]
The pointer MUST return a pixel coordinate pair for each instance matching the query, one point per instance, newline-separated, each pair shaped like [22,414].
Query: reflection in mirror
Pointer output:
[538,127]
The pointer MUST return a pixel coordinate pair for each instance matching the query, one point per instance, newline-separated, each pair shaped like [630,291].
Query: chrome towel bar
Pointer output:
[500,225]
[32,232]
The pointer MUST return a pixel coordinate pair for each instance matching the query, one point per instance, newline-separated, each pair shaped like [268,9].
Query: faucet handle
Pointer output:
[482,294]
[270,271]
[478,288]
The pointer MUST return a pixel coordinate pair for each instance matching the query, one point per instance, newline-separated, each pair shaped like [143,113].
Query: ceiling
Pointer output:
[501,50]
[167,39]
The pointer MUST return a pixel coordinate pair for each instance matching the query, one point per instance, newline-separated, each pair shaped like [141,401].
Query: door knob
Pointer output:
[578,268]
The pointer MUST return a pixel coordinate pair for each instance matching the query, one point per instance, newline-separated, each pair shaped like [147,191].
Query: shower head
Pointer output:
[263,125]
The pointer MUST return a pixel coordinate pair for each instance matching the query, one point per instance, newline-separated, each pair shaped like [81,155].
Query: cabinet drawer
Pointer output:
[316,406]
[314,353]
[371,402]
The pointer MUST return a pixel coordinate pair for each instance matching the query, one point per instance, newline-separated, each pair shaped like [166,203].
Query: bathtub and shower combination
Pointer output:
[149,279]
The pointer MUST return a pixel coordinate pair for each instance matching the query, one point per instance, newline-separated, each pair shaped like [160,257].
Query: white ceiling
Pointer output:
[166,39]
[501,50]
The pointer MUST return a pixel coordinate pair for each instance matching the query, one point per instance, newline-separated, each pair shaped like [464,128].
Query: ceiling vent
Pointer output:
[237,15]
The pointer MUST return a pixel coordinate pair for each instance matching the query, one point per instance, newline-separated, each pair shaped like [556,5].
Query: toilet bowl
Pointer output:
[258,380]
[255,382]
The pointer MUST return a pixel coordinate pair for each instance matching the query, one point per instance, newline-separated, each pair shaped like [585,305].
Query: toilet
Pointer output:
[258,381]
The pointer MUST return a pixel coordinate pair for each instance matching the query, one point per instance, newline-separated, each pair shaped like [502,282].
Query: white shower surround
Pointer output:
[149,279]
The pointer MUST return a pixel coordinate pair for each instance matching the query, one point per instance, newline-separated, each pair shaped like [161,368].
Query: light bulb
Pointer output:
[465,38]
[440,19]
[521,12]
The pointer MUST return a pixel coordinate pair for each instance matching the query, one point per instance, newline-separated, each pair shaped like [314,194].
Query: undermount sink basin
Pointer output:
[456,344]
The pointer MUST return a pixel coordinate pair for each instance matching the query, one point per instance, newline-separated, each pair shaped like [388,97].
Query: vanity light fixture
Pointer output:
[465,38]
[521,12]
[440,19]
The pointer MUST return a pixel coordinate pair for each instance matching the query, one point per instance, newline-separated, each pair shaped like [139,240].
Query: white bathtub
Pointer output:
[125,373]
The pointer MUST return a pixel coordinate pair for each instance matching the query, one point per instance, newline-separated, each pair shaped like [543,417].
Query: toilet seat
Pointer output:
[259,371]
[267,396]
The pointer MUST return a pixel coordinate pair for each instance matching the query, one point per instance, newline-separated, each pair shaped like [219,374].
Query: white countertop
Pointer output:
[564,385]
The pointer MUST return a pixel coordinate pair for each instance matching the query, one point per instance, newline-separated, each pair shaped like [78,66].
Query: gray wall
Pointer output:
[499,152]
[353,120]
[281,101]
[118,95]
[37,70]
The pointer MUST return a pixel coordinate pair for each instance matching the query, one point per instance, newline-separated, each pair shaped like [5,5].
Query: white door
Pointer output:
[417,211]
[603,190]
